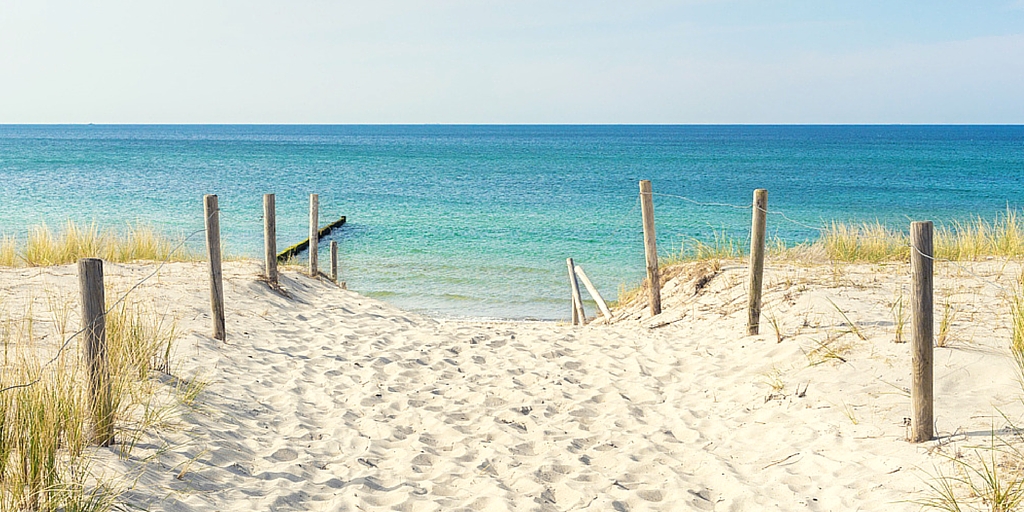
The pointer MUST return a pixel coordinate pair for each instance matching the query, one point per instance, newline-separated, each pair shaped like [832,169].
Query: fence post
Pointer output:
[757,234]
[650,246]
[90,283]
[213,254]
[593,292]
[334,261]
[270,237]
[922,326]
[579,317]
[314,232]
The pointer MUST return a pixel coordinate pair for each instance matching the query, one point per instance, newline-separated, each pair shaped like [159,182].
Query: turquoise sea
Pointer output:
[478,220]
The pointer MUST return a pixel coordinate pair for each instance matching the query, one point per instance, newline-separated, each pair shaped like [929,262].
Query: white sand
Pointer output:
[327,400]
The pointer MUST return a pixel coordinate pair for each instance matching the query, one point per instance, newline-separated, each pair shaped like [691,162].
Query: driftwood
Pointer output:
[302,246]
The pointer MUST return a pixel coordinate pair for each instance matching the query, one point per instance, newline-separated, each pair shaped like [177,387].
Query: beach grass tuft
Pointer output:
[8,251]
[45,417]
[991,479]
[969,240]
[1017,331]
[44,246]
[722,246]
[869,242]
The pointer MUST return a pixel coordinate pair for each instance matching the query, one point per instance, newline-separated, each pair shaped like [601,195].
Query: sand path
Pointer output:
[322,399]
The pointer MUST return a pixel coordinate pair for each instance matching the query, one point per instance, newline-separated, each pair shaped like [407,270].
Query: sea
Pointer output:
[477,221]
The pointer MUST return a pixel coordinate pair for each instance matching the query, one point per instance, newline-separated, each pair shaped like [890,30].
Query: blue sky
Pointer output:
[523,61]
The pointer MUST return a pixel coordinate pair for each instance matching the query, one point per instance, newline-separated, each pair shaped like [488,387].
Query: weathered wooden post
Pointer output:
[579,317]
[757,235]
[593,292]
[90,283]
[922,326]
[650,245]
[314,232]
[334,261]
[270,237]
[213,254]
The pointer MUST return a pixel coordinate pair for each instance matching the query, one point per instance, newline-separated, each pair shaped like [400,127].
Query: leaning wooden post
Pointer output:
[757,233]
[921,267]
[314,232]
[90,282]
[270,237]
[579,317]
[593,292]
[650,246]
[334,261]
[213,254]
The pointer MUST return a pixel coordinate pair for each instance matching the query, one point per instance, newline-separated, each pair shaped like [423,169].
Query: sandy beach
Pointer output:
[322,399]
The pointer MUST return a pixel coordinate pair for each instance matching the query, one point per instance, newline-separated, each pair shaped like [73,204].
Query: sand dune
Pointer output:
[322,399]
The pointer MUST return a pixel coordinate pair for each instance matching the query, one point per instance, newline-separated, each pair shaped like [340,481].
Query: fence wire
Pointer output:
[964,269]
[823,228]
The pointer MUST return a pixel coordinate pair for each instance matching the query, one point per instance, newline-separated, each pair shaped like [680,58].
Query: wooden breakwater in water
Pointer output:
[302,246]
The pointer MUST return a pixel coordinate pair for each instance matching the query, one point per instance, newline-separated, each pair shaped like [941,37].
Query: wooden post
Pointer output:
[334,261]
[314,232]
[270,237]
[921,267]
[593,292]
[757,233]
[650,246]
[90,283]
[213,254]
[579,317]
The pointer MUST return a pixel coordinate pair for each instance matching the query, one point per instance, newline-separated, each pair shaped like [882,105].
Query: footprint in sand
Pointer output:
[285,455]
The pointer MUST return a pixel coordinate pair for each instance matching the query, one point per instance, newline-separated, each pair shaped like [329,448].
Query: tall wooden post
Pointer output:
[334,261]
[90,283]
[213,254]
[270,237]
[314,232]
[579,317]
[757,235]
[650,245]
[922,325]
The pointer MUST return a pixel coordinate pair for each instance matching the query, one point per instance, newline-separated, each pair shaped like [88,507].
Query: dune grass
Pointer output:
[969,240]
[44,246]
[868,242]
[721,246]
[45,427]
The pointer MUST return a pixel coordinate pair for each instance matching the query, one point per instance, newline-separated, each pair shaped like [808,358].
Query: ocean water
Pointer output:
[478,220]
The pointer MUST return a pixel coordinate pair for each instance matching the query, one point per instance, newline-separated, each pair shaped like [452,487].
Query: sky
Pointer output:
[512,61]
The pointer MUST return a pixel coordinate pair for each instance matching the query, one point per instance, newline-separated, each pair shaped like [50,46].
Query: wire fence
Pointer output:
[629,220]
[823,229]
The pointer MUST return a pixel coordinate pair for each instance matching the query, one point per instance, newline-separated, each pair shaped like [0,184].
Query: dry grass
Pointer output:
[1017,336]
[991,478]
[978,238]
[899,317]
[721,247]
[959,241]
[832,348]
[858,243]
[867,242]
[45,427]
[44,247]
[8,251]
